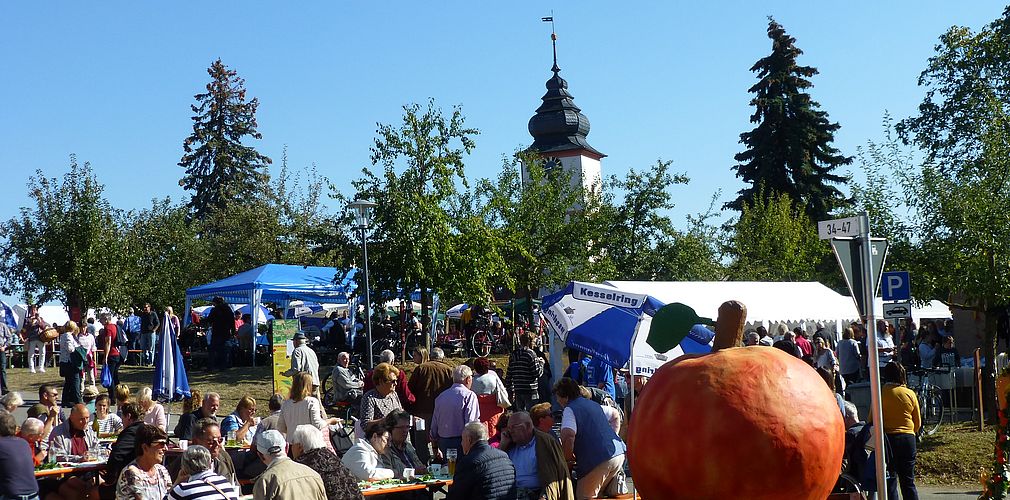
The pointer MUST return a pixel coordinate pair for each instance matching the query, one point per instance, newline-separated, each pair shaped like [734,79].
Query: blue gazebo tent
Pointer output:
[280,284]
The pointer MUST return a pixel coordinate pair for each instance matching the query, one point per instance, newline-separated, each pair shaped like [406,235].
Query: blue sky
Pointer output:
[113,81]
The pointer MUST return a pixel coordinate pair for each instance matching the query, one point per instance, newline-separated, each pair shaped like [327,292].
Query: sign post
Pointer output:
[863,291]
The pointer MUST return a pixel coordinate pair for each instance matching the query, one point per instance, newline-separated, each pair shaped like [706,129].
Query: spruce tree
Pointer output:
[219,168]
[789,151]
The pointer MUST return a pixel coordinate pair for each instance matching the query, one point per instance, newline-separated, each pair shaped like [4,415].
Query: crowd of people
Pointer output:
[899,350]
[500,429]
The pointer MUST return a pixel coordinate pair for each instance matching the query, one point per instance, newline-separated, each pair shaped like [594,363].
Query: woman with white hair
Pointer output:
[153,412]
[31,431]
[11,401]
[308,447]
[202,482]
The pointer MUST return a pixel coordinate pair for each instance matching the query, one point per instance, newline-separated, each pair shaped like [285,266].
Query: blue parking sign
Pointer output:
[894,286]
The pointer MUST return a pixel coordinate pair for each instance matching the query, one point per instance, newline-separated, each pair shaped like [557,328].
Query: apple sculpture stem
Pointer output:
[729,325]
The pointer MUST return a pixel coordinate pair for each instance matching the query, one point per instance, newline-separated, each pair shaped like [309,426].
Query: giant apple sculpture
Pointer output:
[740,422]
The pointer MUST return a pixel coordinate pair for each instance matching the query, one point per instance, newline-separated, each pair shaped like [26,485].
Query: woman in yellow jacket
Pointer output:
[901,425]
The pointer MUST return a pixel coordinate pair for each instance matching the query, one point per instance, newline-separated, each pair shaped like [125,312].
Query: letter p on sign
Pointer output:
[895,286]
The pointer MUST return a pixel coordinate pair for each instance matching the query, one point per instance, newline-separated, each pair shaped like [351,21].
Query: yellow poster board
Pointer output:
[284,332]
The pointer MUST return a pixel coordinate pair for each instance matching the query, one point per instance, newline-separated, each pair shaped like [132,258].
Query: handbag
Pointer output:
[106,376]
[49,334]
[502,396]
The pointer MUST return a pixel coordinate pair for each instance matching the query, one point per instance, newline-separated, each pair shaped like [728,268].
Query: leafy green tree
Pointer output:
[641,229]
[774,240]
[164,255]
[309,231]
[694,254]
[789,151]
[66,247]
[411,241]
[961,196]
[219,167]
[547,242]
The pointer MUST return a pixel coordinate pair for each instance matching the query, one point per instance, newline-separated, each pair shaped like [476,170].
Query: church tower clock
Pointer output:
[559,131]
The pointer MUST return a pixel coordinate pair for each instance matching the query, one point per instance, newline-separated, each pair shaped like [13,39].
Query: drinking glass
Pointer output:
[450,458]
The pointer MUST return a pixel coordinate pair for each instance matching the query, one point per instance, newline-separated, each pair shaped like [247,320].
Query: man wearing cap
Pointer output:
[303,359]
[284,479]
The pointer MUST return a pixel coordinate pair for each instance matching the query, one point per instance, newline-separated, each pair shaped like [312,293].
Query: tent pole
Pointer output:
[631,390]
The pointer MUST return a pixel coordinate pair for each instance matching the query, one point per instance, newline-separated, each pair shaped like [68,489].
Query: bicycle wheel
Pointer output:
[327,388]
[932,413]
[381,345]
[481,343]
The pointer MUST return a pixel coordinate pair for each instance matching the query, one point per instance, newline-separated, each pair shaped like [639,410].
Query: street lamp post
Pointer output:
[361,211]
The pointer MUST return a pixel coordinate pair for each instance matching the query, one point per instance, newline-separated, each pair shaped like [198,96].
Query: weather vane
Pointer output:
[554,39]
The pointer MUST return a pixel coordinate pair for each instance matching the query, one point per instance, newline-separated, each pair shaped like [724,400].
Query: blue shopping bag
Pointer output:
[106,376]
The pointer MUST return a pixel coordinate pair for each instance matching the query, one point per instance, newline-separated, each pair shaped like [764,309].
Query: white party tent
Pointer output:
[768,303]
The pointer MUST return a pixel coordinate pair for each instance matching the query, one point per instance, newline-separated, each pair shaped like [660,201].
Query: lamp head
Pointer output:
[361,210]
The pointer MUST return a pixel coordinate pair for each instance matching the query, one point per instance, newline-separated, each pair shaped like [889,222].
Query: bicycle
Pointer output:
[327,387]
[930,402]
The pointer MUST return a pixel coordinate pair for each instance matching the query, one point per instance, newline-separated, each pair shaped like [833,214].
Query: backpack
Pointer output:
[120,342]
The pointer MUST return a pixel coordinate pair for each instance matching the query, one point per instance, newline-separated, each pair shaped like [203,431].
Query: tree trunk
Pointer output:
[533,323]
[989,370]
[425,325]
[74,308]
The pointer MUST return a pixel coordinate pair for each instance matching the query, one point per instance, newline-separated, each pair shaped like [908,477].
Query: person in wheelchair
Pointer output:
[346,386]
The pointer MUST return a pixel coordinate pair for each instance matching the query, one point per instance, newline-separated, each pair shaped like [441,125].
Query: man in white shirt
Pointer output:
[303,359]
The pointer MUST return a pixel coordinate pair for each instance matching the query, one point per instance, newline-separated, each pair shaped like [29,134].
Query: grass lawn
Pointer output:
[955,454]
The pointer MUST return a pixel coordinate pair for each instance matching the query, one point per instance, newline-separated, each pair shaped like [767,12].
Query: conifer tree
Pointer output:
[219,167]
[789,151]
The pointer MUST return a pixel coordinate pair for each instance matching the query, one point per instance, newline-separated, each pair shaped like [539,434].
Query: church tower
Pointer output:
[559,131]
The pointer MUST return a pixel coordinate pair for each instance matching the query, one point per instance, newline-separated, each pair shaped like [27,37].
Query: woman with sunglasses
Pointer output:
[145,477]
[381,400]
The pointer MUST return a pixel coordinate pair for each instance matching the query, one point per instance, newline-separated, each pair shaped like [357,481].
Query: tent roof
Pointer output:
[282,282]
[765,301]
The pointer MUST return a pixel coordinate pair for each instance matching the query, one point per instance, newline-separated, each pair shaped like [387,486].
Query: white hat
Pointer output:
[270,442]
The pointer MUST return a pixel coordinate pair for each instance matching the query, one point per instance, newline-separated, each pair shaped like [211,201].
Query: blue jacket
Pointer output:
[485,473]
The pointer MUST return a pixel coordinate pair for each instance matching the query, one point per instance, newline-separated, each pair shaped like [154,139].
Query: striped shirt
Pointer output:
[524,371]
[111,424]
[202,486]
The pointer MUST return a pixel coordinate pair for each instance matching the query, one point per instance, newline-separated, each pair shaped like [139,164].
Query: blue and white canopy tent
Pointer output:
[280,284]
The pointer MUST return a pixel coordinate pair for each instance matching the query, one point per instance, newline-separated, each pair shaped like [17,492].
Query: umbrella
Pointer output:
[170,380]
[302,309]
[7,316]
[244,309]
[602,321]
[456,311]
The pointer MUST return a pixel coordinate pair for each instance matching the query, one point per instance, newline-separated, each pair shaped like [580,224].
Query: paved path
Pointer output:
[948,492]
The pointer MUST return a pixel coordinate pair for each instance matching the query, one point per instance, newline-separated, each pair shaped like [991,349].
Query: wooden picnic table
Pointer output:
[436,485]
[433,486]
[61,472]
